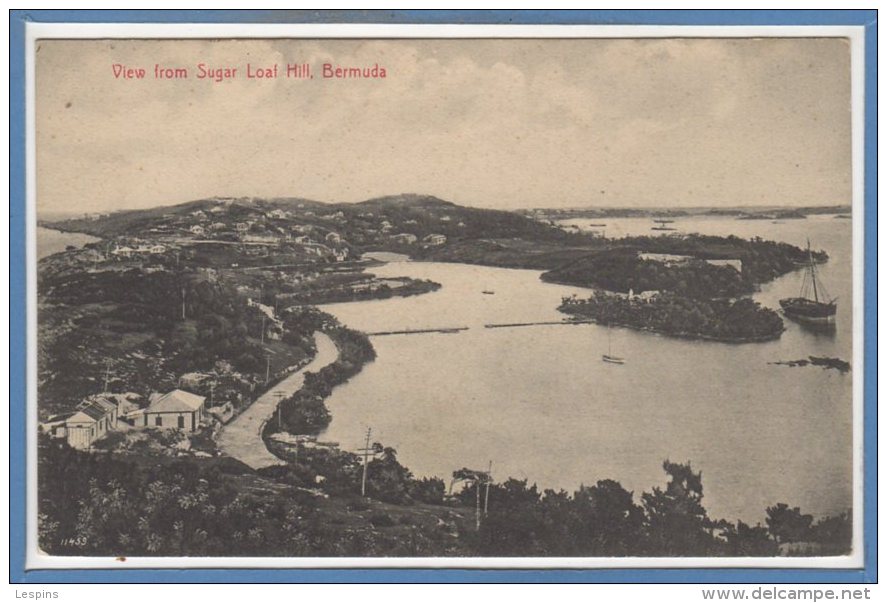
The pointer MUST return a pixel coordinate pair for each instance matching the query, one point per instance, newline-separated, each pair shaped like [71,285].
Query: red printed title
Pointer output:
[218,74]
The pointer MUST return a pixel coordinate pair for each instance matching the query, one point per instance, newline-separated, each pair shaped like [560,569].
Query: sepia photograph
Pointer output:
[561,299]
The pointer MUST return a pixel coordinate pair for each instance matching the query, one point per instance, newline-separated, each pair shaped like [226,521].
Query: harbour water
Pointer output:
[53,241]
[541,405]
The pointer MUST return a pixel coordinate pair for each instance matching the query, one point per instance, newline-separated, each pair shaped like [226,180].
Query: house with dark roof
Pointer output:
[177,409]
[92,420]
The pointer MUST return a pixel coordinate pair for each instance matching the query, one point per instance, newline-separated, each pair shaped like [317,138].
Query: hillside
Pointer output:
[375,223]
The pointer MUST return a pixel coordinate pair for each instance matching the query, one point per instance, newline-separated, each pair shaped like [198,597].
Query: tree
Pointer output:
[387,479]
[747,541]
[788,524]
[609,522]
[677,523]
[428,490]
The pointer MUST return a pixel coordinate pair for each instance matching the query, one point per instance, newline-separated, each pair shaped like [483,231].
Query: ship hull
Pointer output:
[612,359]
[809,311]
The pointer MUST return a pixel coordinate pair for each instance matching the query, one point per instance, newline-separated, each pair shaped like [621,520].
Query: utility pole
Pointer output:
[366,456]
[267,367]
[263,330]
[279,394]
[183,303]
[477,505]
[487,493]
[107,376]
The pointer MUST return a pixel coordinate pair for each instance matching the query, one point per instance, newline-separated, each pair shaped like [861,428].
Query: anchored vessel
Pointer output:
[820,308]
[609,357]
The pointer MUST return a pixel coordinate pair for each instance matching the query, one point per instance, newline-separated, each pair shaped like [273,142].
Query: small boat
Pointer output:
[661,224]
[609,357]
[486,292]
[820,309]
[597,225]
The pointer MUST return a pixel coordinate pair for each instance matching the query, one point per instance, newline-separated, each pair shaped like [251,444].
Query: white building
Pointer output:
[435,239]
[197,229]
[123,251]
[405,238]
[92,420]
[674,259]
[177,409]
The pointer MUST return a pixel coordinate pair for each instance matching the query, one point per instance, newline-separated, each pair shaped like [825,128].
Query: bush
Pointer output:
[380,519]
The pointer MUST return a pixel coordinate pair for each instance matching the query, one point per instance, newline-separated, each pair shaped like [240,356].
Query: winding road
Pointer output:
[242,437]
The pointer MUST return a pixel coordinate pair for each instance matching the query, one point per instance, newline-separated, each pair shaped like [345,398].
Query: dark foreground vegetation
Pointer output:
[127,506]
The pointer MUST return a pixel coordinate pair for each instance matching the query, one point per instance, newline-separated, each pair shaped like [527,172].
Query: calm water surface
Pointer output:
[53,241]
[541,405]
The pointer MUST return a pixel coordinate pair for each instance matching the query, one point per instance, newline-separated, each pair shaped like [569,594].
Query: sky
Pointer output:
[503,124]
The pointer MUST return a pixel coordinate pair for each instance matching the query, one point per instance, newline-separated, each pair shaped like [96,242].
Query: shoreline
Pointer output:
[681,335]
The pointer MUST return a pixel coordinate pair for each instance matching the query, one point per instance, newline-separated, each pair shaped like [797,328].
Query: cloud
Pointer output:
[497,123]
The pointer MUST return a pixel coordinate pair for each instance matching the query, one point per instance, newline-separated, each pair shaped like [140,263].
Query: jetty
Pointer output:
[538,323]
[419,331]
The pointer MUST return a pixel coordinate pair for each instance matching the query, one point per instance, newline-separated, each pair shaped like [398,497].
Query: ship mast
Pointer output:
[812,272]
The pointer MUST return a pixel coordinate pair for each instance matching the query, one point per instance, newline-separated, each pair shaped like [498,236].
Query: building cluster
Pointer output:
[274,227]
[98,415]
[676,260]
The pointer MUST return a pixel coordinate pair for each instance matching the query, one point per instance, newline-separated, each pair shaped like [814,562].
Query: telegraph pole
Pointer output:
[487,493]
[267,367]
[279,394]
[183,303]
[107,376]
[263,330]
[366,456]
[477,505]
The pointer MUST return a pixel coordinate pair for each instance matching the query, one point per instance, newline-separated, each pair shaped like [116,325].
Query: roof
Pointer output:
[176,401]
[106,403]
[89,413]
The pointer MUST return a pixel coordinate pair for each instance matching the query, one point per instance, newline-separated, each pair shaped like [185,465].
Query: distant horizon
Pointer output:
[44,213]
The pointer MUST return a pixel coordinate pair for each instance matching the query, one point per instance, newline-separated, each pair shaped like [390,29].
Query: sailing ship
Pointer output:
[609,357]
[814,305]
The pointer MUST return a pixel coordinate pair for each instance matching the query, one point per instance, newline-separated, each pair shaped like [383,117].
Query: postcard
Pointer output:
[445,296]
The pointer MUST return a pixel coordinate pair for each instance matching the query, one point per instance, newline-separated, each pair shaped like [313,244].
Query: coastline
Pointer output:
[681,334]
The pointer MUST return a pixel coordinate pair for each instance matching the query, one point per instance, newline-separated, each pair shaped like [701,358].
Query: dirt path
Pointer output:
[242,437]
